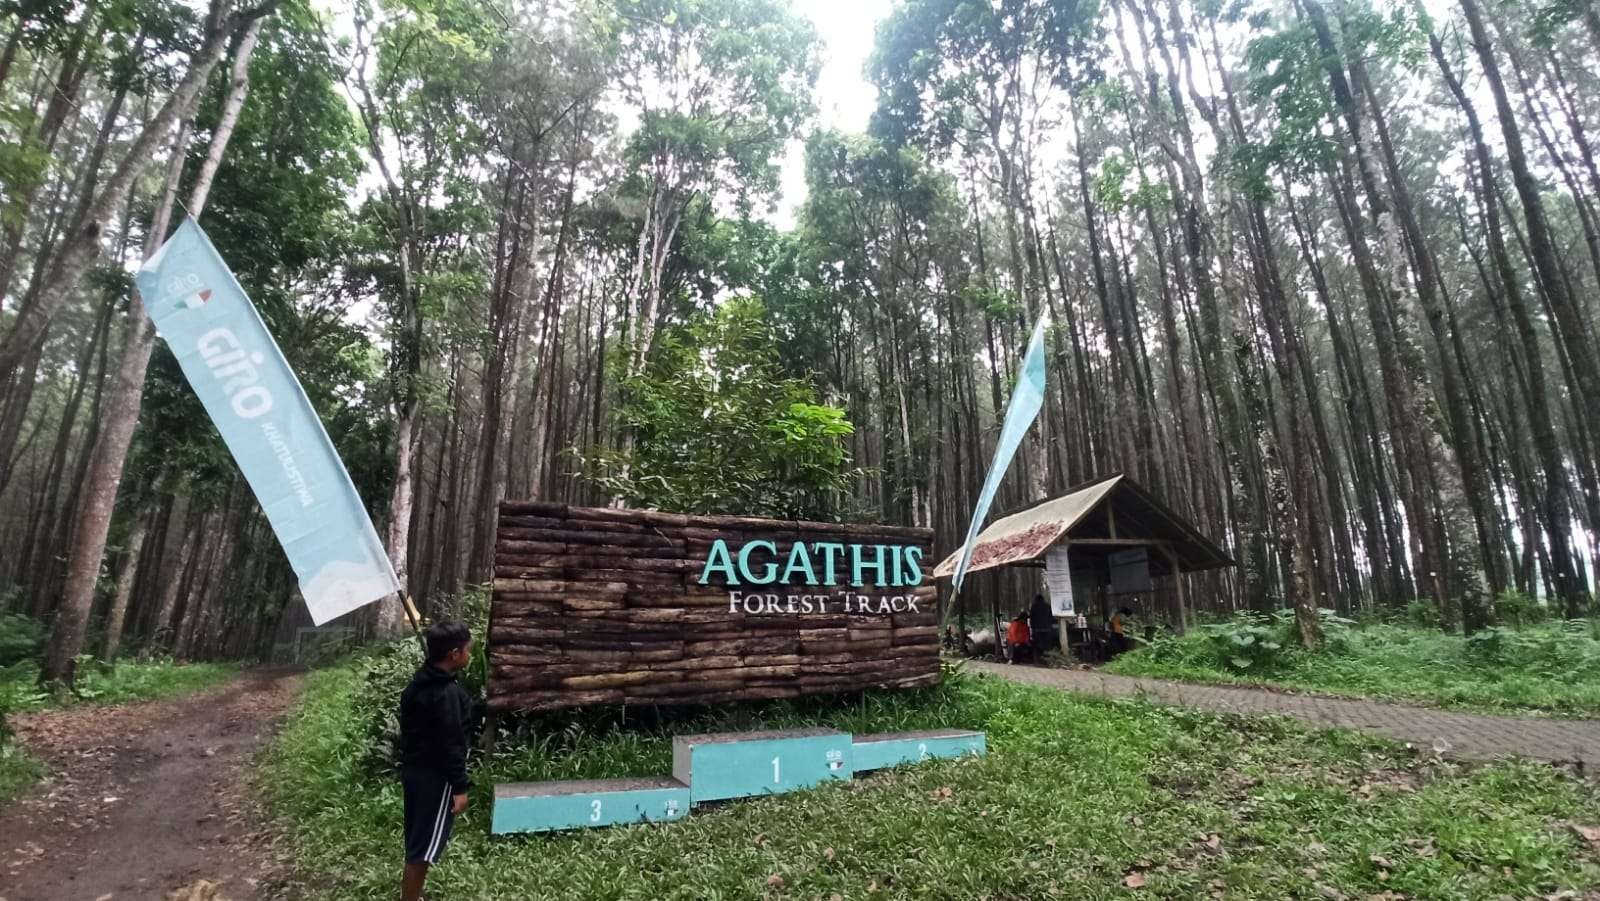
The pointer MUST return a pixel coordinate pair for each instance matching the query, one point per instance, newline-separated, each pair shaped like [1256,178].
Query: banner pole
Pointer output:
[1027,397]
[415,619]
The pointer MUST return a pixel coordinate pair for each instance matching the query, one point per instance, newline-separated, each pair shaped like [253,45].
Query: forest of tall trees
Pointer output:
[1322,275]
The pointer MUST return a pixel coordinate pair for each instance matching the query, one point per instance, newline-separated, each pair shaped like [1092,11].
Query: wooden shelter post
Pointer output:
[1177,579]
[1061,621]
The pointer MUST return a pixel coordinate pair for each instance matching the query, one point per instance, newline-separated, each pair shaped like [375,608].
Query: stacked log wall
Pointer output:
[605,606]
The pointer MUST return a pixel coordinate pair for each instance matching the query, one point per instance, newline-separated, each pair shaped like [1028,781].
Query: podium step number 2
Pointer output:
[878,752]
[741,764]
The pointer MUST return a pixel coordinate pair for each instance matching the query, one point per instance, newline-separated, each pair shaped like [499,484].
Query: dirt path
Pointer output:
[1462,734]
[145,800]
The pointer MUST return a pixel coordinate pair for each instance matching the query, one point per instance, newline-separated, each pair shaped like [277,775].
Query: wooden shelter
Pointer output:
[1093,525]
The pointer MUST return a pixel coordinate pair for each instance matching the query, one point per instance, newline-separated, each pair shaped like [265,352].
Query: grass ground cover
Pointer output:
[17,770]
[1551,668]
[1078,798]
[123,682]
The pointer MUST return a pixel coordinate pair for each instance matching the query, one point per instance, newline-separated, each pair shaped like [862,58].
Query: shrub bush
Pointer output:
[1421,613]
[384,674]
[1552,666]
[1487,647]
[1249,643]
[1519,609]
[21,638]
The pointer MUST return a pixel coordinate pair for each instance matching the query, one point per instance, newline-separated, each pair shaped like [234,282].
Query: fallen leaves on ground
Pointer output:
[199,890]
[1590,834]
[100,796]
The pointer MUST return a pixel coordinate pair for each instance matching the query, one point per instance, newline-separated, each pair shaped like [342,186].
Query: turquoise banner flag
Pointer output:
[246,385]
[1026,400]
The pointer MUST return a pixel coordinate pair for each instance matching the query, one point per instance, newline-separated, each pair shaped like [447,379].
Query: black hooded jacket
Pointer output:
[434,713]
[1041,621]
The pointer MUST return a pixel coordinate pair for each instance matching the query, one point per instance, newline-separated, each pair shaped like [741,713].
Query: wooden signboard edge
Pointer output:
[879,670]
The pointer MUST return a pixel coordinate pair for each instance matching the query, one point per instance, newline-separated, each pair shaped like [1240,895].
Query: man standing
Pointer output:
[433,751]
[1042,626]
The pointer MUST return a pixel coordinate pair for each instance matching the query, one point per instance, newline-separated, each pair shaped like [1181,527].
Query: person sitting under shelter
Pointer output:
[1018,637]
[1118,641]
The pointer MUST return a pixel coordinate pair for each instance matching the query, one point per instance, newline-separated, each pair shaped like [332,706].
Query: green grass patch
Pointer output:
[17,771]
[1078,798]
[123,682]
[1551,668]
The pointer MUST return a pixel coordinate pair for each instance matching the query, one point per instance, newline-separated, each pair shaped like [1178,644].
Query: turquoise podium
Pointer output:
[740,764]
[547,806]
[719,766]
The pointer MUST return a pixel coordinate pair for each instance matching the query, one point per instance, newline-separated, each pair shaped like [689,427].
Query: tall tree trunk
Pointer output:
[1381,264]
[1572,329]
[78,250]
[1552,501]
[119,600]
[122,407]
[1463,477]
[505,330]
[63,99]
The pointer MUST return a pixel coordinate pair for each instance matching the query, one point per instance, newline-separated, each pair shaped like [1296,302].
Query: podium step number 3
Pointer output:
[741,764]
[546,806]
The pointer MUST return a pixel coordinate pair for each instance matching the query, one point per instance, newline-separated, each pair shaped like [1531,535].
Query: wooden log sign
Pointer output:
[602,606]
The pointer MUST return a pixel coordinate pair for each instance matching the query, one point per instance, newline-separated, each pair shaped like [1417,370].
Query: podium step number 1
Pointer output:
[741,764]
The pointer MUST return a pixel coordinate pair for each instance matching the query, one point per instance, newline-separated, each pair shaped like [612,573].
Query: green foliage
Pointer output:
[937,64]
[17,769]
[1519,609]
[21,638]
[1288,68]
[1421,613]
[1550,667]
[718,429]
[722,85]
[123,682]
[384,672]
[383,675]
[1087,790]
[1248,644]
[1553,650]
[1489,647]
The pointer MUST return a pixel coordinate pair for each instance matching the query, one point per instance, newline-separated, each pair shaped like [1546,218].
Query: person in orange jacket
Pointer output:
[1017,636]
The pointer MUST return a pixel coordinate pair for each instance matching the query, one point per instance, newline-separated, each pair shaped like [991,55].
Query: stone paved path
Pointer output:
[1468,734]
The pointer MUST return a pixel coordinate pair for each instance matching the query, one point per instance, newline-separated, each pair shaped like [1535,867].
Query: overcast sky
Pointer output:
[845,98]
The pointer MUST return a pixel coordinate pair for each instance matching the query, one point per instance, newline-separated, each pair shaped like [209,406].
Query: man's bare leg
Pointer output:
[411,884]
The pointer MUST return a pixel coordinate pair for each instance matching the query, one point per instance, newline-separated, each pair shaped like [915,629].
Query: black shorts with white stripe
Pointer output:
[428,814]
